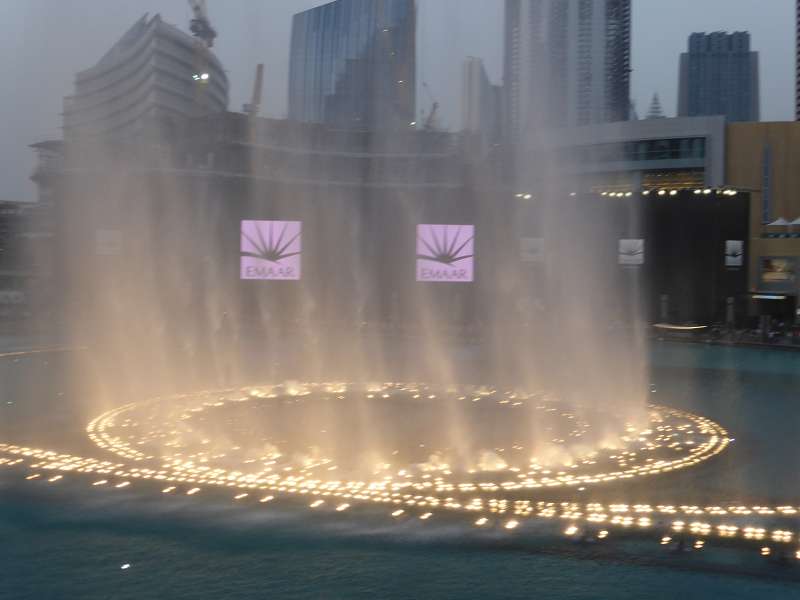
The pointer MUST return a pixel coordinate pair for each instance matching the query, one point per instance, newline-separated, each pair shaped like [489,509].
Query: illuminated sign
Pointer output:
[445,253]
[734,253]
[270,250]
[631,252]
[778,269]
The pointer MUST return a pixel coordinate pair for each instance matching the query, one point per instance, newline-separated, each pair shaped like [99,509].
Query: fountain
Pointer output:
[346,321]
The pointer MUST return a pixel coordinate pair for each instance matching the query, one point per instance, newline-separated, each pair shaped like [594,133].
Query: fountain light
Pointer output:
[175,450]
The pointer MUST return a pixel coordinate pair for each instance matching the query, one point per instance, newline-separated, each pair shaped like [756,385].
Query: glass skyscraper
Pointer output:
[567,63]
[797,61]
[352,64]
[719,76]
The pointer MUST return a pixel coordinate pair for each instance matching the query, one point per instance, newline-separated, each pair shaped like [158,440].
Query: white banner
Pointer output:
[734,253]
[631,252]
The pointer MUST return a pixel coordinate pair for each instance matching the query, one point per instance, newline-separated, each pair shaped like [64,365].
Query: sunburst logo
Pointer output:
[270,249]
[445,253]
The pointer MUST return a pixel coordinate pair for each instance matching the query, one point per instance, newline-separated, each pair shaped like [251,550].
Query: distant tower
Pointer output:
[480,103]
[153,78]
[719,76]
[633,114]
[352,64]
[655,111]
[797,63]
[566,63]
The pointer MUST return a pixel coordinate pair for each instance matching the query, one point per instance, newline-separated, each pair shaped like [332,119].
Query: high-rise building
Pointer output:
[481,103]
[719,76]
[155,76]
[797,62]
[352,64]
[567,62]
[655,111]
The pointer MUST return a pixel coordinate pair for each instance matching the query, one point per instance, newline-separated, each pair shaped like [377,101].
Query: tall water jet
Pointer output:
[213,249]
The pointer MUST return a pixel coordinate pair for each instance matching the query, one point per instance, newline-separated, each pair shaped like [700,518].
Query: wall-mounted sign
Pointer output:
[734,253]
[270,249]
[778,270]
[445,253]
[531,250]
[631,252]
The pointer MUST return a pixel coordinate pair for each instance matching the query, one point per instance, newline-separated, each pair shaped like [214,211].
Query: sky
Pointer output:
[43,43]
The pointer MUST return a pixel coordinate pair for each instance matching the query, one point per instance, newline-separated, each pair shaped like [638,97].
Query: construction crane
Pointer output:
[253,107]
[200,25]
[430,122]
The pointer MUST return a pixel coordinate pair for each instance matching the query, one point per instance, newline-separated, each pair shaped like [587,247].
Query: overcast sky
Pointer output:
[44,42]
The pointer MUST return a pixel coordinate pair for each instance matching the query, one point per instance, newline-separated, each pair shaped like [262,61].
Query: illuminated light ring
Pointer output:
[98,431]
[98,428]
[717,520]
[438,492]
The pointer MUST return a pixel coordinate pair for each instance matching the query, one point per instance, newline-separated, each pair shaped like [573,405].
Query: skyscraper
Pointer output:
[155,76]
[797,62]
[655,111]
[719,76]
[481,103]
[567,62]
[352,64]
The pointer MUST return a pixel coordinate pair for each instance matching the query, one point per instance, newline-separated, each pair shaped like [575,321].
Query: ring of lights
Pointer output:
[503,494]
[166,431]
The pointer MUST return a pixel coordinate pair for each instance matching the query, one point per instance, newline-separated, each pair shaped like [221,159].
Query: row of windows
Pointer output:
[645,150]
[409,171]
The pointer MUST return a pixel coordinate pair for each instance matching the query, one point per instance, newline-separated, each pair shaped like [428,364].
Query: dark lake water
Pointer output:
[70,544]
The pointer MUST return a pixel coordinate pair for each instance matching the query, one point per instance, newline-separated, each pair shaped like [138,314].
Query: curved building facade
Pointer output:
[152,79]
[352,64]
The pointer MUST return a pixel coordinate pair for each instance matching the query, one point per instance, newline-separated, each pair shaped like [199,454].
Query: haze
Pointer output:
[44,43]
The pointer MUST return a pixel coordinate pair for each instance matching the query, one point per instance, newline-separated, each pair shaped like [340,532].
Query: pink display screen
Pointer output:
[270,250]
[445,253]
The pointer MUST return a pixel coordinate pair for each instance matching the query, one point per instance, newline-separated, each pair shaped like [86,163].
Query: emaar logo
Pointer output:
[270,249]
[445,253]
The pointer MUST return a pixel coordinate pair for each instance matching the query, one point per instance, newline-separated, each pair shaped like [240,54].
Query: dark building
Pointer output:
[352,64]
[719,76]
[697,246]
[682,257]
[26,254]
